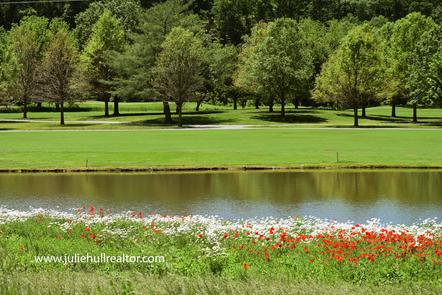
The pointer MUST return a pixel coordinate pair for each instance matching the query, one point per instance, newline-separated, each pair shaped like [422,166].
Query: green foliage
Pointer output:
[244,77]
[27,41]
[178,71]
[107,37]
[353,73]
[233,19]
[406,35]
[135,63]
[424,83]
[126,11]
[222,66]
[59,64]
[5,96]
[283,61]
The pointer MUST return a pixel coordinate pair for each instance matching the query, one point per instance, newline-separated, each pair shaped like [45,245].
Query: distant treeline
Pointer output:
[333,53]
[231,18]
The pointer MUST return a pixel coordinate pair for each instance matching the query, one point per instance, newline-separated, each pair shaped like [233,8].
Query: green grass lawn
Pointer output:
[208,148]
[142,115]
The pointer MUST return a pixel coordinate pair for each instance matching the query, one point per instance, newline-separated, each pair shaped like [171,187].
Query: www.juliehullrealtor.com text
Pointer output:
[102,258]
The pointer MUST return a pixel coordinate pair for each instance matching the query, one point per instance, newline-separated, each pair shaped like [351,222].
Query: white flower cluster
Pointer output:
[214,229]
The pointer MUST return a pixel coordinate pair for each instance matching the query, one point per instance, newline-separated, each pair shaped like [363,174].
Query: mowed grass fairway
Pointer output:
[90,115]
[220,148]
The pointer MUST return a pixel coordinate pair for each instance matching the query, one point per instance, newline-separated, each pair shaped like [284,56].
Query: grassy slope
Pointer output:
[141,115]
[220,148]
[188,268]
[67,282]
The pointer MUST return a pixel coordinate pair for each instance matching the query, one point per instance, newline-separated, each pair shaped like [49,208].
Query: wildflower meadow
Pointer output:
[292,248]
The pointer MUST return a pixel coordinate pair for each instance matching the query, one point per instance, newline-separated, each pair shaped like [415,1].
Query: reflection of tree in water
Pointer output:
[405,186]
[177,190]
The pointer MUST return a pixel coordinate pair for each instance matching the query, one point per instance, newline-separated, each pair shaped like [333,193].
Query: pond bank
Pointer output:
[217,168]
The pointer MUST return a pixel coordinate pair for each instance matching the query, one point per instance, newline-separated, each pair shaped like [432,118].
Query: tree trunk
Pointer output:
[415,113]
[355,116]
[180,119]
[363,112]
[106,107]
[393,108]
[61,113]
[243,103]
[166,110]
[198,104]
[116,107]
[235,103]
[283,107]
[25,108]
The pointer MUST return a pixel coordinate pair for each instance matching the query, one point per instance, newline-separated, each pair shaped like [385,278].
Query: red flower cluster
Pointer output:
[356,246]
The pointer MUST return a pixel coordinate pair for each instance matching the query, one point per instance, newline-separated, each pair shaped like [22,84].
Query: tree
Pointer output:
[27,41]
[179,67]
[126,11]
[5,93]
[136,62]
[244,77]
[406,34]
[107,37]
[222,65]
[57,70]
[352,73]
[425,82]
[233,19]
[283,61]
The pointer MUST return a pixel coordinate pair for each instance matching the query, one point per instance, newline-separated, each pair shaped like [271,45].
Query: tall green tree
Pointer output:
[245,76]
[425,82]
[127,12]
[353,73]
[5,93]
[27,41]
[178,71]
[59,63]
[107,38]
[406,34]
[222,66]
[283,61]
[136,62]
[233,19]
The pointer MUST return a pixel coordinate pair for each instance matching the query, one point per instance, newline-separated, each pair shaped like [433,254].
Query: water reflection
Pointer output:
[393,196]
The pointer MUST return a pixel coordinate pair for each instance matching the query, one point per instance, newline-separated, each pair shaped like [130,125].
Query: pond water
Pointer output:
[397,196]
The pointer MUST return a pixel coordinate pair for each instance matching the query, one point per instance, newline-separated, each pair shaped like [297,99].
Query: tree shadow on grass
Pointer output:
[290,118]
[186,120]
[68,125]
[159,113]
[361,126]
[12,122]
[430,121]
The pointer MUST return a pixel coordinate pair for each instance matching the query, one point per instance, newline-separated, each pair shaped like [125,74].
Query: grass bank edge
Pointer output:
[233,168]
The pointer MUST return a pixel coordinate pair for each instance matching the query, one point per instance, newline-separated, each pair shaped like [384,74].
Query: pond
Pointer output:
[397,196]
